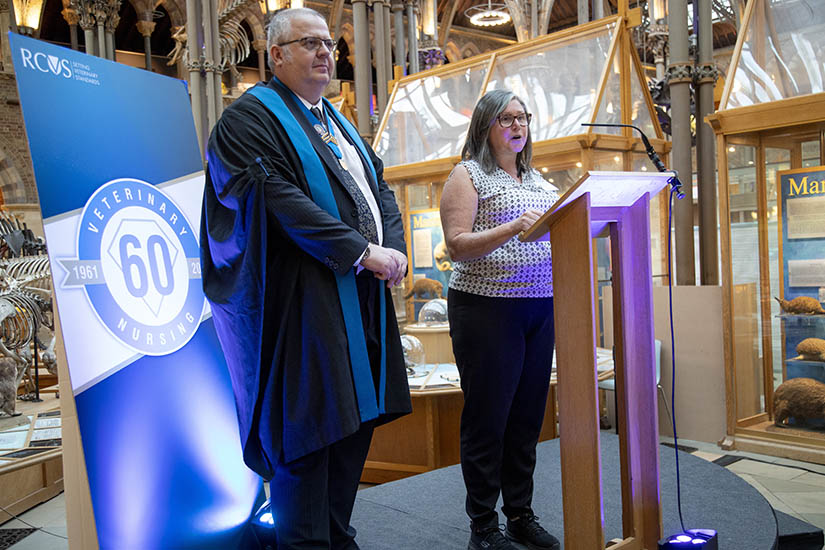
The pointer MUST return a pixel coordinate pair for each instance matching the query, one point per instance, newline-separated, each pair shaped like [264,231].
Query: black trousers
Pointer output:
[504,352]
[312,497]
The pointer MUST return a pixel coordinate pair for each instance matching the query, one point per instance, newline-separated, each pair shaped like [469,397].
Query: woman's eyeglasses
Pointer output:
[507,120]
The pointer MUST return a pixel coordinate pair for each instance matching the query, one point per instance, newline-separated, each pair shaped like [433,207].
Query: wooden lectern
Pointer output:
[618,203]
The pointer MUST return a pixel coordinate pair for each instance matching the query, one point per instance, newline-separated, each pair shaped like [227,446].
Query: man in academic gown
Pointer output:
[301,241]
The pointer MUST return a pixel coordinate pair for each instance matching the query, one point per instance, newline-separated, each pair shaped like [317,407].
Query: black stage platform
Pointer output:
[426,512]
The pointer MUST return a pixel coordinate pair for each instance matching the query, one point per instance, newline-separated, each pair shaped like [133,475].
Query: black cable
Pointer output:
[673,191]
[32,526]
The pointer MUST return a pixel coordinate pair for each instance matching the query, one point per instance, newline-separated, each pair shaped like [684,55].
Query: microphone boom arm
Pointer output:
[651,154]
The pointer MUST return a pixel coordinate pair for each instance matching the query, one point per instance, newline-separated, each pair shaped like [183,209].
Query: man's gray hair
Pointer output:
[281,22]
[477,144]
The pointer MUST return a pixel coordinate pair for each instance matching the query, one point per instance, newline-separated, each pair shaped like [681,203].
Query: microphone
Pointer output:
[651,154]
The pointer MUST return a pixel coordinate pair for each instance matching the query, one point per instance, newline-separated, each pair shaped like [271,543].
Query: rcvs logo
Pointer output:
[138,262]
[39,61]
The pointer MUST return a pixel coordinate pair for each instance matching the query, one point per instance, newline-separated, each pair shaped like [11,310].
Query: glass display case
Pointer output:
[587,74]
[770,131]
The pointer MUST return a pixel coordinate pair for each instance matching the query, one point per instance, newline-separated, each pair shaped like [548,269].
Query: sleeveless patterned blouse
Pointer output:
[515,269]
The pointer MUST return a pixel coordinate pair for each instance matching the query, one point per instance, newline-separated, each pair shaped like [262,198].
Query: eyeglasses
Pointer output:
[506,120]
[313,44]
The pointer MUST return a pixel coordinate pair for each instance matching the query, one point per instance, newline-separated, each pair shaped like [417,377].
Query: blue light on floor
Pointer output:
[263,516]
[263,525]
[692,538]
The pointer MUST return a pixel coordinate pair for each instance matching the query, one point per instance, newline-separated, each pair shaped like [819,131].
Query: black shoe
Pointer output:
[527,531]
[489,539]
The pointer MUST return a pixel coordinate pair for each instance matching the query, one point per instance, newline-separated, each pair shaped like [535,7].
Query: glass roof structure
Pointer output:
[588,73]
[779,56]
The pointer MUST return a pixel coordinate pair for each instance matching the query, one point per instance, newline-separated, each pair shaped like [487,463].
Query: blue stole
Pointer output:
[369,406]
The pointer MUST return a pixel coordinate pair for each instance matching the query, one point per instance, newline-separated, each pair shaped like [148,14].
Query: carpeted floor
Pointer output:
[427,511]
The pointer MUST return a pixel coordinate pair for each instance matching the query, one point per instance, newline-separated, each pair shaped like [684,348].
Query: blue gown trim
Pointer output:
[319,184]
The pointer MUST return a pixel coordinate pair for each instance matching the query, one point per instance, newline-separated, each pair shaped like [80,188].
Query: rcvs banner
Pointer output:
[120,181]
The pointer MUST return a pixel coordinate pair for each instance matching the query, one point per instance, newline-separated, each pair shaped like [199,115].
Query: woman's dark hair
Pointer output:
[477,144]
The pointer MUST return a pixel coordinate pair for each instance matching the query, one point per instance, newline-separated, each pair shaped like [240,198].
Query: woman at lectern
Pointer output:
[500,306]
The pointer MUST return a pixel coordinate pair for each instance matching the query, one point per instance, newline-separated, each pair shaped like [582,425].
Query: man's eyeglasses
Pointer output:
[507,120]
[313,44]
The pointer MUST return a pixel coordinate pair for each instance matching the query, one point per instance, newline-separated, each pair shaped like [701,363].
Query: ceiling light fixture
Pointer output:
[487,15]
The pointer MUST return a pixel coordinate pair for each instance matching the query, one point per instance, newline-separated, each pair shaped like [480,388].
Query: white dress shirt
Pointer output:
[354,166]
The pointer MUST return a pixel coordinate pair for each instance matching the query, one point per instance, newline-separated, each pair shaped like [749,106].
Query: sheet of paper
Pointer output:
[806,272]
[806,217]
[423,247]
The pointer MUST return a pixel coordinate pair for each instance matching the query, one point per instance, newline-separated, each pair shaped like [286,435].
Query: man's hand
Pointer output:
[401,262]
[387,264]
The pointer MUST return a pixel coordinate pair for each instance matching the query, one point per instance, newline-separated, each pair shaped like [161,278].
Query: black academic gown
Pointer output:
[281,325]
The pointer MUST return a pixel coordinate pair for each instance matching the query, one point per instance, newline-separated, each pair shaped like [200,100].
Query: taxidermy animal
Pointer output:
[8,385]
[801,398]
[801,305]
[423,287]
[811,349]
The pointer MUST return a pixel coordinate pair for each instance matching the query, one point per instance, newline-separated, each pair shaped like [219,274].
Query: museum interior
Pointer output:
[730,94]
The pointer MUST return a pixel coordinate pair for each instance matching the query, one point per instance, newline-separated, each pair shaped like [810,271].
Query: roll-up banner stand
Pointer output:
[120,181]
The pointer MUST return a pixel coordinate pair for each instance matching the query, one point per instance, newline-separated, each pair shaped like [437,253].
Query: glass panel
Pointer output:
[779,56]
[810,154]
[419,196]
[639,113]
[610,109]
[564,177]
[750,394]
[428,119]
[607,160]
[559,83]
[775,159]
[658,245]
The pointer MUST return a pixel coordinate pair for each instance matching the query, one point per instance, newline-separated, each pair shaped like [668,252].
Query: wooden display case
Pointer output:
[770,123]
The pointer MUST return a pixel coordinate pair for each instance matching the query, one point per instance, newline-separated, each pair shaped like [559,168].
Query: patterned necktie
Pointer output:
[317,112]
[366,221]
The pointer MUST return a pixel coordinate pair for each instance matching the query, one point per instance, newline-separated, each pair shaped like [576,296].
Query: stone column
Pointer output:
[679,76]
[112,19]
[598,9]
[363,84]
[100,20]
[400,51]
[705,79]
[380,52]
[387,10]
[217,61]
[583,11]
[86,13]
[146,28]
[209,64]
[72,18]
[6,22]
[194,32]
[260,47]
[658,39]
[412,30]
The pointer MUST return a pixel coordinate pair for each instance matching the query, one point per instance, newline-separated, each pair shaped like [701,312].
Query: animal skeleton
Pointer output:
[25,306]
